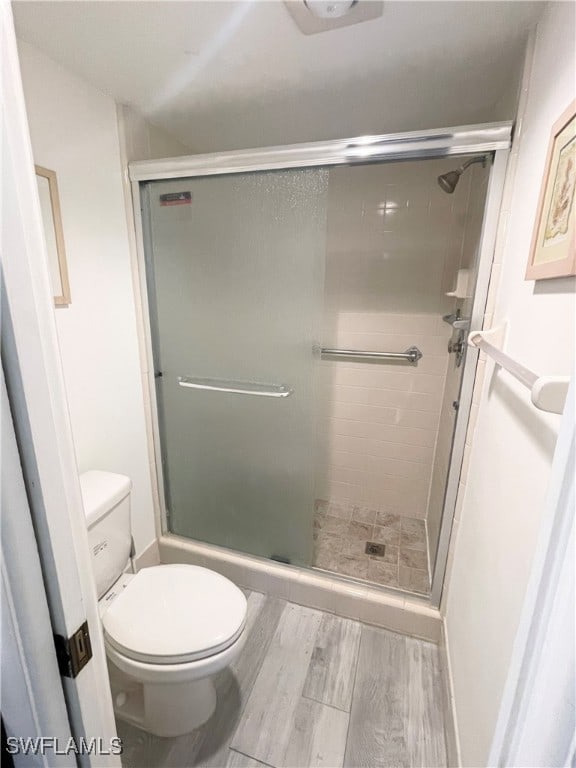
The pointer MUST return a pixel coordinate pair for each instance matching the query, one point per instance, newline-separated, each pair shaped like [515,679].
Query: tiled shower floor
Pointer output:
[372,545]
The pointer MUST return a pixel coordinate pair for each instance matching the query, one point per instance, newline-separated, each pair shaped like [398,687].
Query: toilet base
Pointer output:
[166,710]
[172,710]
[167,699]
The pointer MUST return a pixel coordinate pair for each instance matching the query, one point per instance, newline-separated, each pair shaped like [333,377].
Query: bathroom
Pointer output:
[275,247]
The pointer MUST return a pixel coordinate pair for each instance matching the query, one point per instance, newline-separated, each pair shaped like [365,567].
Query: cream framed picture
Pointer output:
[53,234]
[553,251]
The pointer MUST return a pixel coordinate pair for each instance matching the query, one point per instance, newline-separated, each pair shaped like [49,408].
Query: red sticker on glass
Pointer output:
[176,198]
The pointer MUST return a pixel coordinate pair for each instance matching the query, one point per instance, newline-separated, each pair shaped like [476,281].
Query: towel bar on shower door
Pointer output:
[411,355]
[236,387]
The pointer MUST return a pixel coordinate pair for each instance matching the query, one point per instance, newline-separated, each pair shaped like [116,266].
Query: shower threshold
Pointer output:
[392,608]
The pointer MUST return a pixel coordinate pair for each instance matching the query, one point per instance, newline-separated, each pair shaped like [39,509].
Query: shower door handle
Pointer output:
[236,387]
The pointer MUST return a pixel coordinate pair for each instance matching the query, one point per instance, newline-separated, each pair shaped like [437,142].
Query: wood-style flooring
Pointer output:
[312,689]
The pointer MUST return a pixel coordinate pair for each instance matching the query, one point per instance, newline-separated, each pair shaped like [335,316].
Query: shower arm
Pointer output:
[478,159]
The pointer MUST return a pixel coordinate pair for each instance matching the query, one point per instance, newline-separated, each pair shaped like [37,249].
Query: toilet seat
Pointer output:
[174,614]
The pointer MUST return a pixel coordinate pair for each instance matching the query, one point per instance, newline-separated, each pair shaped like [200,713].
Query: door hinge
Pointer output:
[75,652]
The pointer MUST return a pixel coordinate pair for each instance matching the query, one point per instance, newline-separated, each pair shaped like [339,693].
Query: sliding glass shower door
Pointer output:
[235,270]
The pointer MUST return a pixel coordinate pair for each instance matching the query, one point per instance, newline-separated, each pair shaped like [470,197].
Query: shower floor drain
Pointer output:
[375,549]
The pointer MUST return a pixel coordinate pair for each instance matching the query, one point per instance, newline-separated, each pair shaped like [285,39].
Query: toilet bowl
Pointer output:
[168,629]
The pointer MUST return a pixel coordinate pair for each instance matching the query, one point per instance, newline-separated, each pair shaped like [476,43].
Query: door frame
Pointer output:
[38,402]
[490,138]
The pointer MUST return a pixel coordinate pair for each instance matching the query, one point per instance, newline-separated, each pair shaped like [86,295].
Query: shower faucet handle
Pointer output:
[451,317]
[457,322]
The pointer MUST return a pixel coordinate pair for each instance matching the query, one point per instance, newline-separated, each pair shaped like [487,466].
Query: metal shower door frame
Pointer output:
[490,138]
[485,259]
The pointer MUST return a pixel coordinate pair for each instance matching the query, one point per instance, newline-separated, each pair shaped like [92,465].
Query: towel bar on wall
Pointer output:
[411,355]
[548,393]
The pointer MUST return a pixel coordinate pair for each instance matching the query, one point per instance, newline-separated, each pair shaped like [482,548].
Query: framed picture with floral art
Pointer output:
[553,251]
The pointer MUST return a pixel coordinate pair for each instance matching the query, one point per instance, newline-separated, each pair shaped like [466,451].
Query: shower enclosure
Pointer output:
[302,304]
[236,297]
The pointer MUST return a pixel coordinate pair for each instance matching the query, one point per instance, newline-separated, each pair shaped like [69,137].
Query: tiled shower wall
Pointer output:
[395,242]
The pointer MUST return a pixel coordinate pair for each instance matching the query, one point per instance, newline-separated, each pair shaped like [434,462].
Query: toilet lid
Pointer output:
[171,614]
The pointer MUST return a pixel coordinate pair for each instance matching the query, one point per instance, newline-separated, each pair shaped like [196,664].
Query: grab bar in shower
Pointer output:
[236,387]
[411,355]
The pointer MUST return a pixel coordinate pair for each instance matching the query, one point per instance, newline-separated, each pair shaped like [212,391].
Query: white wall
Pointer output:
[144,141]
[394,243]
[502,502]
[74,132]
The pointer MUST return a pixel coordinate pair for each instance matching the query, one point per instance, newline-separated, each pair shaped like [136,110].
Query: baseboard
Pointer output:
[314,589]
[450,720]
[150,556]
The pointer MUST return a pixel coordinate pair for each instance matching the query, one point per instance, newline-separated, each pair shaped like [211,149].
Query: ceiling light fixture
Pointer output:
[329,9]
[315,16]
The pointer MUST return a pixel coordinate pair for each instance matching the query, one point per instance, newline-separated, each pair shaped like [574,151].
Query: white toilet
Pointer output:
[167,629]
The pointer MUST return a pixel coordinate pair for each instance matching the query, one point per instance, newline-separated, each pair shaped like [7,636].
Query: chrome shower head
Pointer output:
[448,181]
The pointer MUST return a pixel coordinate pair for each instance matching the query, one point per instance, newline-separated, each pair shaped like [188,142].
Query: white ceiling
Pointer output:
[227,75]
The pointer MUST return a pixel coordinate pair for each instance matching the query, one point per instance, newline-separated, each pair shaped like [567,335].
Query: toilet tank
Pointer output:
[106,499]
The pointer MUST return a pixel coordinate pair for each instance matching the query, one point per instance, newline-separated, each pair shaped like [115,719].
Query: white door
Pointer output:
[537,721]
[38,404]
[32,696]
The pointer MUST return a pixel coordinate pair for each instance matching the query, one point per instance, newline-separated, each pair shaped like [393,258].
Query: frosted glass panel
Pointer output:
[235,271]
